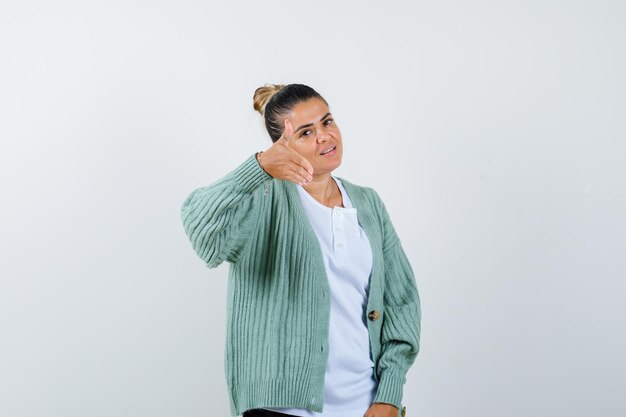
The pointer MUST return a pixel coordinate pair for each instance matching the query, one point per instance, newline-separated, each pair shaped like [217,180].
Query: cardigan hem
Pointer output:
[278,393]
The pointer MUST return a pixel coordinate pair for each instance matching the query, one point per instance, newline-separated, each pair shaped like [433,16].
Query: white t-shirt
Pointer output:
[349,384]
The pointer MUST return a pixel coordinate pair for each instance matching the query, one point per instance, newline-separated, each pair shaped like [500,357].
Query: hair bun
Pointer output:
[262,96]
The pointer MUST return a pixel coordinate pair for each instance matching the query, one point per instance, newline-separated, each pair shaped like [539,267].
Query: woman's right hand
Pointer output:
[282,162]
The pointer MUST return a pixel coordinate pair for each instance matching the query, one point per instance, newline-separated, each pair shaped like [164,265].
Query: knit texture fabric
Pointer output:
[278,291]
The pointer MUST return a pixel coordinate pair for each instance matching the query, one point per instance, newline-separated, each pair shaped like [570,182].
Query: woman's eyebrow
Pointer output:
[311,124]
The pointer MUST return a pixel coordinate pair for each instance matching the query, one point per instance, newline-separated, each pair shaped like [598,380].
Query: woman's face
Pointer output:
[315,135]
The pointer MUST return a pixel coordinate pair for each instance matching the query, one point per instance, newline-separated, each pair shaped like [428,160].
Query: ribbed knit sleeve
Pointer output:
[218,218]
[400,334]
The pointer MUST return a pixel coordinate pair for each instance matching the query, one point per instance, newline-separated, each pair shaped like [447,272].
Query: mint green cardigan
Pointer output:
[278,292]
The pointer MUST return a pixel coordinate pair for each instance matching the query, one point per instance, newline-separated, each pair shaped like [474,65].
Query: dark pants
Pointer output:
[259,412]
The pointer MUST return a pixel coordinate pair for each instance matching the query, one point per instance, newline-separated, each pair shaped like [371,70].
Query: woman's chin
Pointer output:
[329,167]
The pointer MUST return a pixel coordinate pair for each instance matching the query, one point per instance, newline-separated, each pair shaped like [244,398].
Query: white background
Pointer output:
[494,132]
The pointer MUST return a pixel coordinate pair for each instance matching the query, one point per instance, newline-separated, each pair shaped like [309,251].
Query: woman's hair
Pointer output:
[274,101]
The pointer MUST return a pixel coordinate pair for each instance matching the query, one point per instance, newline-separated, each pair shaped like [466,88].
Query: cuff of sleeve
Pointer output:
[390,390]
[249,175]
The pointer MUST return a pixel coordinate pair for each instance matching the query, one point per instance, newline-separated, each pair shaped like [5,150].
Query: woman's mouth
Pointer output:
[329,150]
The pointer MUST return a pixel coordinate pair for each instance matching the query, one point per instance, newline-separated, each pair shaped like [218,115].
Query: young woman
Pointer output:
[323,310]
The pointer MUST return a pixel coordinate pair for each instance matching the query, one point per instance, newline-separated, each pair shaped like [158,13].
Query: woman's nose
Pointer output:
[322,136]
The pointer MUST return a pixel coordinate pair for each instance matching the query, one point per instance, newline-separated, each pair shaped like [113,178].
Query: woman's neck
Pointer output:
[325,190]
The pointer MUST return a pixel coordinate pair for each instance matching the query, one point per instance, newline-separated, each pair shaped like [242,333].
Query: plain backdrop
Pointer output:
[493,130]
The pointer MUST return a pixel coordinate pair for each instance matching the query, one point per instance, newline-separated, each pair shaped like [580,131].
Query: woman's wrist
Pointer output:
[258,159]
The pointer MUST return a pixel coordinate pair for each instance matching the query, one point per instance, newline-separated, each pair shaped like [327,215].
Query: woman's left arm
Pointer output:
[400,333]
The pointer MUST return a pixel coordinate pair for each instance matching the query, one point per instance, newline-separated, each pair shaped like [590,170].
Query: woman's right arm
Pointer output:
[219,218]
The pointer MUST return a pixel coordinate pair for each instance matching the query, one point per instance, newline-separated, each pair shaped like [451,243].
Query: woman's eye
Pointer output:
[305,133]
[328,122]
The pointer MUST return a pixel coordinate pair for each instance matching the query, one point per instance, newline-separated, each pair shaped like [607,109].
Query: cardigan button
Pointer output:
[403,413]
[373,315]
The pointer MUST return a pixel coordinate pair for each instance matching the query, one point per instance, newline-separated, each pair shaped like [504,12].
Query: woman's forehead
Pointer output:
[309,111]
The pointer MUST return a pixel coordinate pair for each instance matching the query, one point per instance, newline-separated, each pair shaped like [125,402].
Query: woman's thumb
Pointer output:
[288,130]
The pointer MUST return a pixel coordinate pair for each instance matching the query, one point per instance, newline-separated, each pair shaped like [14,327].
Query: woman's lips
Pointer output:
[331,152]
